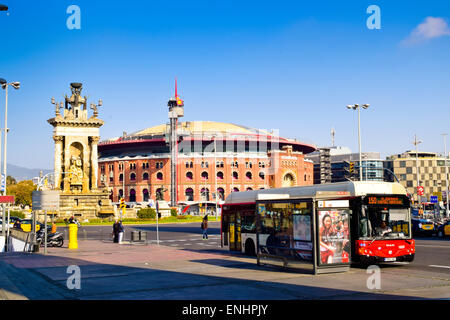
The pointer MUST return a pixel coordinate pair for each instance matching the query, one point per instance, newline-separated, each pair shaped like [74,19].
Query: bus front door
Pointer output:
[235,232]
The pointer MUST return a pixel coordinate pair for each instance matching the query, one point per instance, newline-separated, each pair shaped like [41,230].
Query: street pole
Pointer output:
[6,131]
[215,174]
[359,144]
[417,169]
[446,173]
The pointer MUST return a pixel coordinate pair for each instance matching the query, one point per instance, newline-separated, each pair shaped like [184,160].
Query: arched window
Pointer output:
[189,175]
[262,175]
[133,176]
[120,194]
[121,177]
[248,175]
[205,194]
[159,176]
[221,193]
[220,175]
[204,175]
[189,194]
[145,176]
[145,195]
[132,195]
[288,180]
[235,175]
[235,189]
[249,189]
[159,195]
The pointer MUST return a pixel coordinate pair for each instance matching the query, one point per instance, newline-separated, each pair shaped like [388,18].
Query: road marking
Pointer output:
[435,266]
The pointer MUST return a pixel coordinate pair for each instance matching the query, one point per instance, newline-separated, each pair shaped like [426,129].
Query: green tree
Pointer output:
[22,191]
[10,181]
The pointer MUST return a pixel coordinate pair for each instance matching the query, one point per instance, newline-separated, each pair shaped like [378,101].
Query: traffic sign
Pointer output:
[47,200]
[7,199]
[420,190]
[433,199]
[2,183]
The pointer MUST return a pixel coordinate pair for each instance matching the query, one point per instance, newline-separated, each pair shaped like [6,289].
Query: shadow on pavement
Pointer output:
[110,282]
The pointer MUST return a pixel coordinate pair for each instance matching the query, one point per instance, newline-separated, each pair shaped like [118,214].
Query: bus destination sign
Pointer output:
[379,200]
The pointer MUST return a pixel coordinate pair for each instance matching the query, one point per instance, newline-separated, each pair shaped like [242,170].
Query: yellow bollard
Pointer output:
[73,242]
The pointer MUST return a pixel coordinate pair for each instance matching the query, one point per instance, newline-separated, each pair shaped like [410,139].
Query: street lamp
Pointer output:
[3,7]
[354,107]
[446,173]
[416,142]
[5,84]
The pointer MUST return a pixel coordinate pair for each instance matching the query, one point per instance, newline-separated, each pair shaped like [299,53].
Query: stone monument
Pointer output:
[76,137]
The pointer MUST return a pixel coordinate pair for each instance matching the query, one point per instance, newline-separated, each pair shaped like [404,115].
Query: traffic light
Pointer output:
[122,203]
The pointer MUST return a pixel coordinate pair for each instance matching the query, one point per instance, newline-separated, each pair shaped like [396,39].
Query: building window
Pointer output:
[248,175]
[132,166]
[235,175]
[205,194]
[145,195]
[402,164]
[145,176]
[189,175]
[159,176]
[409,170]
[133,177]
[262,175]
[409,184]
[220,175]
[221,194]
[121,177]
[204,175]
[102,169]
[159,195]
[132,195]
[189,193]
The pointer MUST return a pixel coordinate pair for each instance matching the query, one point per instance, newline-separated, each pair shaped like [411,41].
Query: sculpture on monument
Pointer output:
[76,137]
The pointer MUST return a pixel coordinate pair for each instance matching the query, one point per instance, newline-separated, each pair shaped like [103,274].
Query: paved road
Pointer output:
[432,253]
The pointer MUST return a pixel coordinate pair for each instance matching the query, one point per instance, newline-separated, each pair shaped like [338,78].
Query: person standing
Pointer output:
[121,230]
[205,227]
[115,232]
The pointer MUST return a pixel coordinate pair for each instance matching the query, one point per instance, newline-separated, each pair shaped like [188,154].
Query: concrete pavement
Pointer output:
[135,272]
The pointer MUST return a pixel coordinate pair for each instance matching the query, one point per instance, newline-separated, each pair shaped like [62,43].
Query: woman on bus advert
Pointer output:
[334,237]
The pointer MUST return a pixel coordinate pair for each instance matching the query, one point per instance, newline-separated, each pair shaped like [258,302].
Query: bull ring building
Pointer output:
[212,160]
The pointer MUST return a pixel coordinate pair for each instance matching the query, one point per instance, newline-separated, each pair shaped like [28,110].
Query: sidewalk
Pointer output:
[135,272]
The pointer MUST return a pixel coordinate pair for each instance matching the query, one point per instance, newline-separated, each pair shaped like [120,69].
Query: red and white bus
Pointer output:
[297,219]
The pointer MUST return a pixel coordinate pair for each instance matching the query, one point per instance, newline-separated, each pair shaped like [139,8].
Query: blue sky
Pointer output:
[292,66]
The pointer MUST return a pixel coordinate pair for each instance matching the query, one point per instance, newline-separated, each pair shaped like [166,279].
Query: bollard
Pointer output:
[73,242]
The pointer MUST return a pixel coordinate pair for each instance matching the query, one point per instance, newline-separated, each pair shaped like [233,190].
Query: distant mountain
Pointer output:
[21,173]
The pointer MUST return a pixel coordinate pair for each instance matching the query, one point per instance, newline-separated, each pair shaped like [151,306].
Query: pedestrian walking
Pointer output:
[205,227]
[121,231]
[115,232]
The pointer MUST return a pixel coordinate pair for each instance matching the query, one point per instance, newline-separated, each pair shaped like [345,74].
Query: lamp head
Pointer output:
[53,100]
[365,106]
[349,107]
[2,81]
[3,7]
[15,85]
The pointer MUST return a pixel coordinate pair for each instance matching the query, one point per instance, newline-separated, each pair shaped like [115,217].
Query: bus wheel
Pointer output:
[250,248]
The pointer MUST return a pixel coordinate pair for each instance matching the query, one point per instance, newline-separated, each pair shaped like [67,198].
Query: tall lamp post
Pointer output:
[358,107]
[446,173]
[5,84]
[416,143]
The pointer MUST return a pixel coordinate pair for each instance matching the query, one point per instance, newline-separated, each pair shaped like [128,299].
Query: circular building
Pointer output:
[213,159]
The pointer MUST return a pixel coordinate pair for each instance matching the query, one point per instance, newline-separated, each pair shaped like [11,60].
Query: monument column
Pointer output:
[58,160]
[94,161]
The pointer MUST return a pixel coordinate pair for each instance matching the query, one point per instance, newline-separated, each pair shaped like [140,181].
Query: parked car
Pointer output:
[423,227]
[444,230]
[26,224]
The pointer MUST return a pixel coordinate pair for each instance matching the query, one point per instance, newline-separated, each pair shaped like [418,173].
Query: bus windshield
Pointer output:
[384,223]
